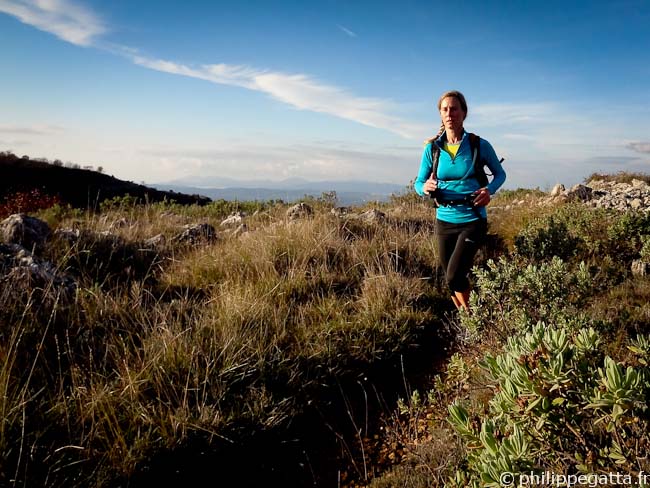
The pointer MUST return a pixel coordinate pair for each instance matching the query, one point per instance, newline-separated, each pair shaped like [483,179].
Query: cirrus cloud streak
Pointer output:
[78,25]
[298,90]
[66,20]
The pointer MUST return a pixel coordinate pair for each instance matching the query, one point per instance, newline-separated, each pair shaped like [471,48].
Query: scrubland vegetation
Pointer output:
[551,371]
[160,351]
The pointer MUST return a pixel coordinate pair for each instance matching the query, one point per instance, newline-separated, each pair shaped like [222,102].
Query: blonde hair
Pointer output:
[463,104]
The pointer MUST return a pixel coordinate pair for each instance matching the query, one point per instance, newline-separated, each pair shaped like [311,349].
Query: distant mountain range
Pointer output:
[347,192]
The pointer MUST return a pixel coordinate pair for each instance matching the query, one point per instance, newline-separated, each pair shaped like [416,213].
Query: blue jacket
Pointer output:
[456,178]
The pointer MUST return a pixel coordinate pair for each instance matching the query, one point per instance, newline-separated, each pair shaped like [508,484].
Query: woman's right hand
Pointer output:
[430,186]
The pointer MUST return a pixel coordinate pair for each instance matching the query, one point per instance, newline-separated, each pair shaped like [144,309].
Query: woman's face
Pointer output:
[452,114]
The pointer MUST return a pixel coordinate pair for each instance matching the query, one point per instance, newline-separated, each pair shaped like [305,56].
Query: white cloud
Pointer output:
[346,30]
[510,113]
[63,18]
[223,74]
[313,162]
[518,137]
[640,147]
[78,25]
[297,90]
[32,130]
[539,140]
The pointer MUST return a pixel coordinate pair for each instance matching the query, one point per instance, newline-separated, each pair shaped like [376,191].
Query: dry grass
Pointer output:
[620,177]
[161,348]
[512,211]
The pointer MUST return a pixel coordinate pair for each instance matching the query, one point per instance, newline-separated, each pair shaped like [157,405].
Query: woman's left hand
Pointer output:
[482,197]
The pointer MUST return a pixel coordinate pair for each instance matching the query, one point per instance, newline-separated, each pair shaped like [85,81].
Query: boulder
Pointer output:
[20,270]
[300,210]
[235,218]
[340,211]
[69,235]
[196,234]
[373,215]
[640,268]
[636,203]
[580,192]
[558,190]
[26,231]
[155,241]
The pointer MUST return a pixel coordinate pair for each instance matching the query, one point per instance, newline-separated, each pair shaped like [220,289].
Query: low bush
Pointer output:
[511,295]
[645,248]
[627,233]
[560,406]
[124,202]
[551,238]
[578,232]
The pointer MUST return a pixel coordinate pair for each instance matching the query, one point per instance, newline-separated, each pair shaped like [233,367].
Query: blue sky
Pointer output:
[325,90]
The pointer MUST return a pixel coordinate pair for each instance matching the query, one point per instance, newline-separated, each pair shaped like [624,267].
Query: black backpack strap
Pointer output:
[435,157]
[479,162]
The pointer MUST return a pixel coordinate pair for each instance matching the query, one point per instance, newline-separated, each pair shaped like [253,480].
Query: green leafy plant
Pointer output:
[558,405]
[626,234]
[578,232]
[645,248]
[125,202]
[545,239]
[509,297]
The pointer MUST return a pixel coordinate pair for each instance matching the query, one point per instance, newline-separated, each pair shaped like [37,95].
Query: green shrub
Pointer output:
[507,196]
[124,202]
[589,226]
[58,212]
[559,406]
[645,248]
[626,234]
[576,231]
[509,298]
[545,239]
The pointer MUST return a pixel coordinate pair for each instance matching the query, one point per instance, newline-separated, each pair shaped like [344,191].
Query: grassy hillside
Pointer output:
[271,355]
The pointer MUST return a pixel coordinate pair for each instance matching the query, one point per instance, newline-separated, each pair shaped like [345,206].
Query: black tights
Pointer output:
[457,246]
